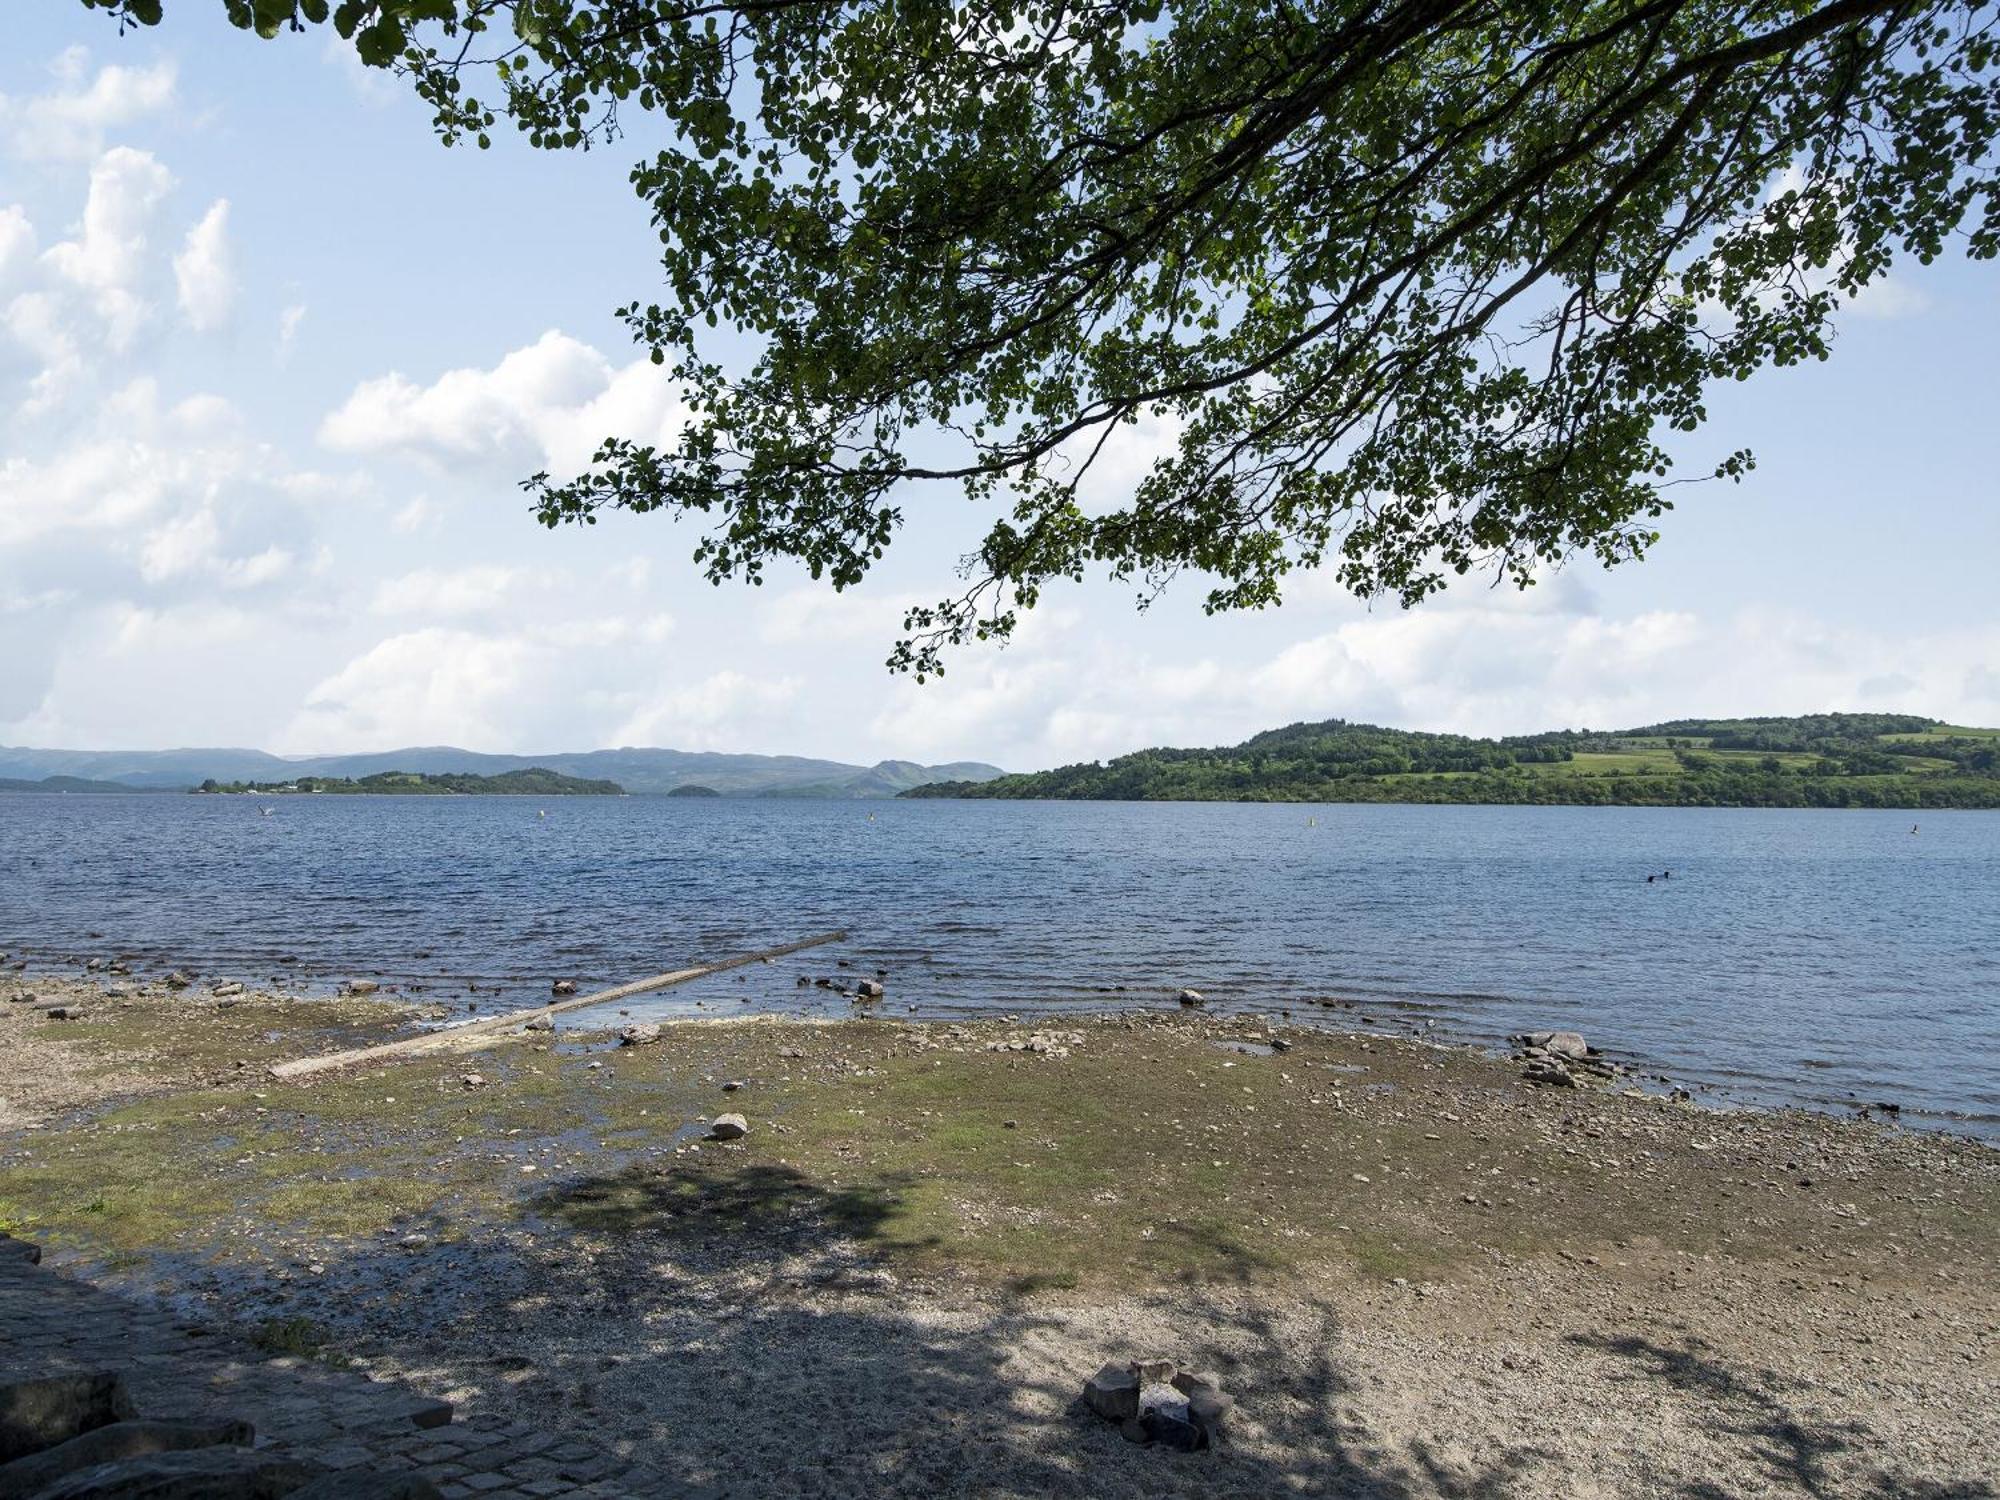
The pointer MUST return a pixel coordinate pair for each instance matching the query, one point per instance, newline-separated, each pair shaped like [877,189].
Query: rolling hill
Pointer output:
[1818,760]
[640,771]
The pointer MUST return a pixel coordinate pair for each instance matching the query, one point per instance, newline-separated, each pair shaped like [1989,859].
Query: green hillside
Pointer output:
[536,781]
[1819,760]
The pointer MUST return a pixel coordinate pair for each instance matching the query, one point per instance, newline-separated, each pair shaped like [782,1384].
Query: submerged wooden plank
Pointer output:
[449,1037]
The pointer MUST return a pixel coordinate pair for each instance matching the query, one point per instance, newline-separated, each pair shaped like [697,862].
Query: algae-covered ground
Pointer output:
[542,1221]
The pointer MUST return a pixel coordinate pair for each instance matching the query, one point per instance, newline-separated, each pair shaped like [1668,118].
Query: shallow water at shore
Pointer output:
[1820,958]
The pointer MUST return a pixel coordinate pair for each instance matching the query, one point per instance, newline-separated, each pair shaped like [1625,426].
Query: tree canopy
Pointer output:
[1412,288]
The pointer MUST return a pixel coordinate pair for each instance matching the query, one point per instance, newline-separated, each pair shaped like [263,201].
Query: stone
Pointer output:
[728,1128]
[349,1485]
[193,1474]
[732,1086]
[1153,1371]
[177,980]
[1187,1382]
[64,1013]
[1206,1409]
[1174,1430]
[226,987]
[1135,1430]
[1564,1044]
[562,987]
[643,1034]
[472,1080]
[38,1414]
[540,1023]
[1549,1073]
[1113,1393]
[361,986]
[1193,997]
[115,1440]
[868,989]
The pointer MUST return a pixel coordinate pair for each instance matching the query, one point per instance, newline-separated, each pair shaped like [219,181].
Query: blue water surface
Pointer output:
[1812,957]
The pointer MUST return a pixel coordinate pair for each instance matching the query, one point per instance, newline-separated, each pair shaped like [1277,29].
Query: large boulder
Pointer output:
[117,1440]
[195,1474]
[38,1414]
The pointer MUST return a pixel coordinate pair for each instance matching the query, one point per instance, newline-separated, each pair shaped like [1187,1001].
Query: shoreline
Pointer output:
[437,995]
[1412,1268]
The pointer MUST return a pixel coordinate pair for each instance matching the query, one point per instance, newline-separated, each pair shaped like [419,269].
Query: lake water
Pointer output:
[1807,957]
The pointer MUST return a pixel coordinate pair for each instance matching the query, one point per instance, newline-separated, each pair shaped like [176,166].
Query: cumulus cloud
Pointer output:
[550,403]
[71,120]
[108,257]
[1491,666]
[203,272]
[447,591]
[17,243]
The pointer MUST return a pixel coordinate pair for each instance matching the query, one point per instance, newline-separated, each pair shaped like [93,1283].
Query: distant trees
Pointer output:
[1337,761]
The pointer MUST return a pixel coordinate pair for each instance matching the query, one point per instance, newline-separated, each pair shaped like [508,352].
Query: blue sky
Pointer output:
[271,360]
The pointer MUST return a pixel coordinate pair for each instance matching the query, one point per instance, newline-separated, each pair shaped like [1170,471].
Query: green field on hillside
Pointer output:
[1820,760]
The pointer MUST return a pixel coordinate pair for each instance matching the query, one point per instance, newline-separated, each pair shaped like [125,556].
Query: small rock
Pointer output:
[562,986]
[63,1013]
[473,1080]
[226,987]
[178,980]
[868,989]
[643,1034]
[1549,1073]
[539,1023]
[728,1128]
[360,986]
[1192,998]
[732,1086]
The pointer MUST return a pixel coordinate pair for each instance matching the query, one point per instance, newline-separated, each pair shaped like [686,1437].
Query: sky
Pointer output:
[272,361]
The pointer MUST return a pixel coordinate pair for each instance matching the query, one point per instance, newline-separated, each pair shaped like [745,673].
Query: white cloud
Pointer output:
[447,591]
[816,613]
[1491,665]
[203,272]
[429,686]
[727,710]
[550,403]
[70,122]
[108,258]
[417,514]
[17,243]
[288,327]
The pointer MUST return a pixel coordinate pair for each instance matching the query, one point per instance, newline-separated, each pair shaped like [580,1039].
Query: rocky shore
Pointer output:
[1415,1270]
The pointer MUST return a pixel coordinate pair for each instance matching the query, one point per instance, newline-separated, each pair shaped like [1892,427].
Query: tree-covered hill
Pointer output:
[536,781]
[1819,760]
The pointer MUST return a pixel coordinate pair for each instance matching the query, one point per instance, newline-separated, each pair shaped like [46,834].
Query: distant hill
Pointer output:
[1819,760]
[65,784]
[642,771]
[536,781]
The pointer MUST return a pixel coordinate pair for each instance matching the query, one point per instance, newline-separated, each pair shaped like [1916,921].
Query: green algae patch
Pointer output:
[1127,1151]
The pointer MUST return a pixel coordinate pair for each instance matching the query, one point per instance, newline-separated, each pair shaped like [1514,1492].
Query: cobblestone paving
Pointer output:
[51,1324]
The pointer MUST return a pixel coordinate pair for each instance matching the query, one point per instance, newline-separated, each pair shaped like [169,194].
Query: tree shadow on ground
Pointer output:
[1820,1459]
[748,1333]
